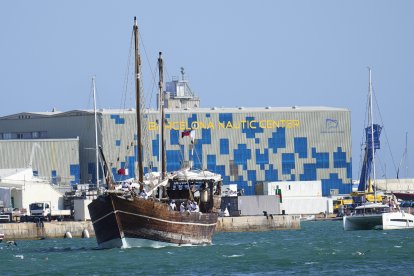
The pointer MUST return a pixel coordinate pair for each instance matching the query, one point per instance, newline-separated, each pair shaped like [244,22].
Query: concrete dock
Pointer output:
[77,229]
[258,223]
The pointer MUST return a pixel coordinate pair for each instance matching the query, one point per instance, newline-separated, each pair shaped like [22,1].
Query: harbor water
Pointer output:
[319,247]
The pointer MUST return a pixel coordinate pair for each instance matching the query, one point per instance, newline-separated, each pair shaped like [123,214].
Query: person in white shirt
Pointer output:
[196,208]
[173,206]
[182,207]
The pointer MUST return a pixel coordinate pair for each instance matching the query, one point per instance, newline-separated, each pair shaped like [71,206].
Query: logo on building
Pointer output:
[332,126]
[331,123]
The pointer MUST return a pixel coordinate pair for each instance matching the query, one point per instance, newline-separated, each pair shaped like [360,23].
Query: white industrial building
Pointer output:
[19,188]
[298,197]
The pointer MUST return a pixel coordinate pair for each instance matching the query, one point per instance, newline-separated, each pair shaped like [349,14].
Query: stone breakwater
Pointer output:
[78,229]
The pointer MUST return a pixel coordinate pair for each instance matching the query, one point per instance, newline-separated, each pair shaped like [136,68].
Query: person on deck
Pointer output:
[196,208]
[143,194]
[182,207]
[173,206]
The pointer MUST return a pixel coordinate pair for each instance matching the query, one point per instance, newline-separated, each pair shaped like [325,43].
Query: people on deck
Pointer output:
[194,206]
[173,206]
[143,194]
[182,207]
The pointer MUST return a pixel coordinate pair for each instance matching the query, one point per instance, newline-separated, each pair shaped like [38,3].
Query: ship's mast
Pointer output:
[138,101]
[161,119]
[371,121]
[96,133]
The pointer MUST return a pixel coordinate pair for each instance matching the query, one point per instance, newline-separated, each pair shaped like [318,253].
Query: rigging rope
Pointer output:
[385,132]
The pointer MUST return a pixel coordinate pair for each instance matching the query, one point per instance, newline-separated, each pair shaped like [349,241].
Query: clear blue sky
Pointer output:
[235,53]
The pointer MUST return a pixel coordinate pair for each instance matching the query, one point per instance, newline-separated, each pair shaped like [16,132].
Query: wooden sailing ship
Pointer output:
[131,218]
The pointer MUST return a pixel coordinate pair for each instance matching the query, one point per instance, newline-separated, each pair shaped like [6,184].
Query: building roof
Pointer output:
[28,115]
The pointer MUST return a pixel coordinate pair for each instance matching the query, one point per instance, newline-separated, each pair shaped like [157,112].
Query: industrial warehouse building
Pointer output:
[245,145]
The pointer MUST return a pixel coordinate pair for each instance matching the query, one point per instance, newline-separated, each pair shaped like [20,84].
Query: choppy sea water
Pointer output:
[320,247]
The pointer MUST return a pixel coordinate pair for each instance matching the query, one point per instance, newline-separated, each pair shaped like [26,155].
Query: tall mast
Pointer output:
[371,121]
[96,133]
[406,155]
[161,119]
[138,101]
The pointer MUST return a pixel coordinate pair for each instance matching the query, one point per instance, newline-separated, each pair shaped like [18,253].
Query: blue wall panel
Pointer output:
[75,172]
[224,146]
[301,147]
[278,140]
[252,128]
[288,162]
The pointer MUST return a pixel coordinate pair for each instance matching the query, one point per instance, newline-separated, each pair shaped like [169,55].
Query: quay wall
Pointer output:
[258,223]
[41,230]
[55,229]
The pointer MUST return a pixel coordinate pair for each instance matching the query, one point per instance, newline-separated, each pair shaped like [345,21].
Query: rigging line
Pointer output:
[147,58]
[167,74]
[404,159]
[124,96]
[143,101]
[385,132]
[148,155]
[198,158]
[85,129]
[363,143]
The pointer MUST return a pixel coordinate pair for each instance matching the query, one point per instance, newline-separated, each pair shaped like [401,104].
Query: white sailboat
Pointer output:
[374,215]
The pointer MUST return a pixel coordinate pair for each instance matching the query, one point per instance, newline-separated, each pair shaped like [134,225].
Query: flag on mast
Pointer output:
[185,133]
[189,132]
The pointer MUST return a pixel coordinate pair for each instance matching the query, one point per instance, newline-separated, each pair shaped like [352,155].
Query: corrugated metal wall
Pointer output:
[55,160]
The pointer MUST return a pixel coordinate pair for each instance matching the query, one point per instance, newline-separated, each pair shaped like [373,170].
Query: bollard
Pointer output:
[85,234]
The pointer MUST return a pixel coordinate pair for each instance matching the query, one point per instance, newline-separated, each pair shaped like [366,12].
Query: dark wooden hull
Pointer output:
[405,196]
[127,222]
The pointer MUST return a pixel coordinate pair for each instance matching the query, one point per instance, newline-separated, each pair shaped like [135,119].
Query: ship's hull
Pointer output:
[383,221]
[130,222]
[405,196]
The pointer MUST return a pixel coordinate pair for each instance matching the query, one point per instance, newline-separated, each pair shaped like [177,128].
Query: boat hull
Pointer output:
[384,221]
[130,222]
[405,196]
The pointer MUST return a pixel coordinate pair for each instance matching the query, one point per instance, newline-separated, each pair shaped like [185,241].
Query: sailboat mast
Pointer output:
[138,101]
[406,155]
[161,119]
[96,134]
[371,121]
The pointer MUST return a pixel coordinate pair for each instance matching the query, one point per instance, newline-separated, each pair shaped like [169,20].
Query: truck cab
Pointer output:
[43,210]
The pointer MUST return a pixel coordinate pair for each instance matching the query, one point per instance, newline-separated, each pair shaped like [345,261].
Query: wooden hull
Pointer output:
[405,196]
[122,222]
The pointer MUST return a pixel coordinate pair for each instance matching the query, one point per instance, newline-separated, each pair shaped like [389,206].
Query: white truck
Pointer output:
[44,211]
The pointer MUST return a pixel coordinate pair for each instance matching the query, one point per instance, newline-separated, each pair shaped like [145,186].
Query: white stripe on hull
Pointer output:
[135,242]
[154,218]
